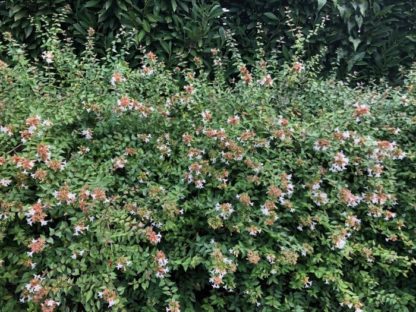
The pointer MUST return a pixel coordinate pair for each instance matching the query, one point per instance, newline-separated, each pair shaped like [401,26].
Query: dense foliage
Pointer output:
[151,190]
[372,37]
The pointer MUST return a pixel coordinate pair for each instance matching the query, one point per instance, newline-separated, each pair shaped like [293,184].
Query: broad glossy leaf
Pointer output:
[271,16]
[321,4]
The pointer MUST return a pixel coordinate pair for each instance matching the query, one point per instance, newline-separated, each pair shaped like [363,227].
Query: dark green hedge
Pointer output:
[372,37]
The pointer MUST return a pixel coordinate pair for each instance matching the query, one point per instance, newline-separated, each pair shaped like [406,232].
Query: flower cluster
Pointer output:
[109,296]
[36,246]
[36,214]
[161,264]
[125,104]
[221,267]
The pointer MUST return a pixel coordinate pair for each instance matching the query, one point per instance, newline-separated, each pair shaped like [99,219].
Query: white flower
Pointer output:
[5,182]
[87,133]
[346,135]
[119,163]
[271,258]
[340,243]
[79,229]
[320,198]
[51,303]
[6,130]
[48,57]
[400,155]
[47,123]
[71,197]
[308,284]
[266,81]
[316,186]
[32,129]
[265,211]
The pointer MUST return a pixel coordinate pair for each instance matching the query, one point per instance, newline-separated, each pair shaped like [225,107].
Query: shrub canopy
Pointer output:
[151,189]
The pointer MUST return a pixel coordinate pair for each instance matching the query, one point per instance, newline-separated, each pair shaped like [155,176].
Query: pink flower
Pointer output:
[340,162]
[161,264]
[36,214]
[109,296]
[153,237]
[361,110]
[349,198]
[36,246]
[189,89]
[124,104]
[321,145]
[206,116]
[233,120]
[298,67]
[117,78]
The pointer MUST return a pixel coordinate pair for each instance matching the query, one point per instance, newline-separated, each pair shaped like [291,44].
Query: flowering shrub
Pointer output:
[151,190]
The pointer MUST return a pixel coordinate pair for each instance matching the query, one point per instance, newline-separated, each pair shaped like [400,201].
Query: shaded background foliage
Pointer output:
[371,37]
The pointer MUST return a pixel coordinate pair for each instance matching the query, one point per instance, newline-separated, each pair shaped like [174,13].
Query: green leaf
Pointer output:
[355,41]
[79,28]
[411,38]
[28,31]
[20,15]
[356,58]
[184,6]
[271,16]
[363,5]
[285,52]
[88,295]
[321,4]
[140,36]
[359,20]
[146,26]
[221,31]
[174,5]
[91,4]
[342,11]
[14,10]
[165,46]
[107,4]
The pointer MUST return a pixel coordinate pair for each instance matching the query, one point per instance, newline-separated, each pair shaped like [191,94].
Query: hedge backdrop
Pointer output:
[370,37]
